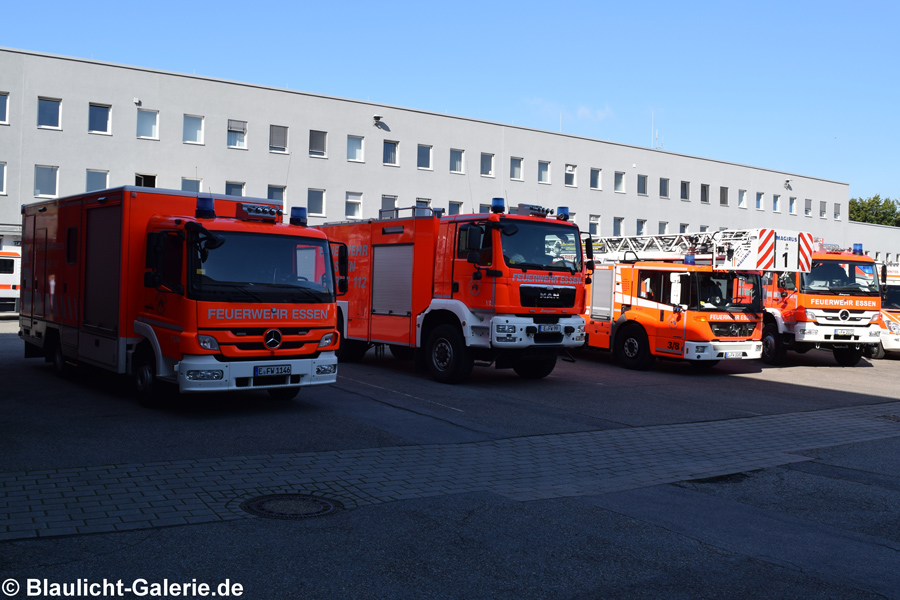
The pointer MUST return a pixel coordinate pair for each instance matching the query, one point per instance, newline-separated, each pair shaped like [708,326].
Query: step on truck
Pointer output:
[694,297]
[210,293]
[501,289]
[835,306]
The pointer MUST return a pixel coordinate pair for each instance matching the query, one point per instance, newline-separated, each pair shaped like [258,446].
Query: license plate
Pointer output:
[549,329]
[270,370]
[843,332]
[734,354]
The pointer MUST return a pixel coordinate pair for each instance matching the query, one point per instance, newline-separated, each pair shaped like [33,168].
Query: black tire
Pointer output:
[62,368]
[143,377]
[703,365]
[849,356]
[773,349]
[349,351]
[633,348]
[284,394]
[446,356]
[401,352]
[535,368]
[874,351]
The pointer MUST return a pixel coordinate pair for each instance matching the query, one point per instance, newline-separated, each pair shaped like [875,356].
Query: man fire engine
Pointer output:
[696,297]
[835,306]
[497,288]
[210,293]
[890,313]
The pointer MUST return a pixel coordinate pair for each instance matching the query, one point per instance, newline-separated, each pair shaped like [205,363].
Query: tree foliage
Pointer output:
[878,210]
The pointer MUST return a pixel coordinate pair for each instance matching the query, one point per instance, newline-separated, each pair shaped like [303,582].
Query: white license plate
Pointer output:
[270,370]
[734,354]
[549,328]
[843,332]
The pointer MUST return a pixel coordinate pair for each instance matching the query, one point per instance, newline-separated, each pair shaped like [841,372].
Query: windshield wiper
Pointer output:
[233,286]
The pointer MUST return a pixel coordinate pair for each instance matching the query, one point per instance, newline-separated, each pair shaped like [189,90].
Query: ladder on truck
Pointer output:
[727,249]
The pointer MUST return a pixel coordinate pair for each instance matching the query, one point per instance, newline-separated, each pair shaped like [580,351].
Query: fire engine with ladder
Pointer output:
[501,289]
[834,306]
[691,296]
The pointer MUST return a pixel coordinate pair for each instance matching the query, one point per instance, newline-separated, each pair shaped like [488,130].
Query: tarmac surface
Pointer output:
[742,482]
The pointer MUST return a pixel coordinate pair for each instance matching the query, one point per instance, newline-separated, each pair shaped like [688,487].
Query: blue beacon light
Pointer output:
[298,216]
[562,213]
[498,205]
[206,207]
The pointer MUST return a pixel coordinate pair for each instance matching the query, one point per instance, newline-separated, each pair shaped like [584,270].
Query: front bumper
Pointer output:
[510,331]
[240,375]
[723,350]
[816,333]
[890,341]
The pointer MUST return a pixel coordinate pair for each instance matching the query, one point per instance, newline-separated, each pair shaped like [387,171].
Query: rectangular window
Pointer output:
[48,113]
[237,134]
[760,198]
[641,228]
[457,165]
[594,225]
[617,225]
[423,203]
[98,118]
[837,211]
[792,205]
[355,148]
[234,188]
[571,179]
[189,184]
[596,183]
[686,190]
[388,206]
[45,180]
[663,187]
[390,153]
[96,180]
[742,198]
[4,108]
[454,208]
[315,202]
[704,228]
[663,228]
[776,203]
[543,171]
[143,180]
[619,182]
[192,130]
[515,169]
[147,124]
[822,209]
[704,193]
[276,193]
[317,141]
[642,185]
[723,196]
[353,206]
[807,208]
[683,228]
[2,179]
[423,157]
[487,165]
[278,138]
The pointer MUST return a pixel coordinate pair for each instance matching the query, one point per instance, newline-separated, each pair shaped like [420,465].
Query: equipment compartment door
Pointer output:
[102,268]
[392,268]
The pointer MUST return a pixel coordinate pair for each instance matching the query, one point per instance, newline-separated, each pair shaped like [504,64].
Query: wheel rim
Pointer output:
[631,347]
[442,354]
[768,343]
[144,378]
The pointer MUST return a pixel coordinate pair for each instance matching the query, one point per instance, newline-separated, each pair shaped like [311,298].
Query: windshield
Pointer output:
[729,291]
[252,267]
[837,277]
[892,298]
[542,245]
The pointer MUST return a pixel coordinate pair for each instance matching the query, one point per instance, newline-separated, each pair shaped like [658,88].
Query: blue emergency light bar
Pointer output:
[298,216]
[562,213]
[206,207]
[858,249]
[498,205]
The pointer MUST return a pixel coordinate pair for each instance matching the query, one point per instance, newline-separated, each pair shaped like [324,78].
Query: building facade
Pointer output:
[70,125]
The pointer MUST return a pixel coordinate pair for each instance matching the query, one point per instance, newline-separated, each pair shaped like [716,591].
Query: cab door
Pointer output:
[471,285]
[669,319]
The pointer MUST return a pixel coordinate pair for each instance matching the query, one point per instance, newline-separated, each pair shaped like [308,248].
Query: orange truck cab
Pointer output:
[890,313]
[501,289]
[835,306]
[694,297]
[210,293]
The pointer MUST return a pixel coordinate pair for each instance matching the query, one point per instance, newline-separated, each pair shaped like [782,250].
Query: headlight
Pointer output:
[326,340]
[810,315]
[894,327]
[700,349]
[207,342]
[506,328]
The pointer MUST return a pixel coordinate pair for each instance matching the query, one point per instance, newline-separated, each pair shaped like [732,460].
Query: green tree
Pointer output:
[878,210]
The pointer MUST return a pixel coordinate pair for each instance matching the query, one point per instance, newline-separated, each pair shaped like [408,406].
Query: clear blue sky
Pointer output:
[805,87]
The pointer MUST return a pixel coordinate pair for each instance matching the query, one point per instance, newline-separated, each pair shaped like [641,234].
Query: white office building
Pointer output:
[69,125]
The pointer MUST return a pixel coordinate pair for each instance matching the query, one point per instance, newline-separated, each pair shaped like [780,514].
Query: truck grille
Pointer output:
[742,330]
[550,297]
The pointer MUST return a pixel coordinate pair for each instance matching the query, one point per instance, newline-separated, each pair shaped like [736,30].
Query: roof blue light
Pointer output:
[498,205]
[298,216]
[206,207]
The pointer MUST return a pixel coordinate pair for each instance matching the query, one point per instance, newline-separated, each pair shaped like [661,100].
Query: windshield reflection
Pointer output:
[546,246]
[836,277]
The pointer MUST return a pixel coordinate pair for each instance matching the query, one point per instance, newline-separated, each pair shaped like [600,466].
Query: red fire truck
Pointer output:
[498,288]
[835,306]
[210,293]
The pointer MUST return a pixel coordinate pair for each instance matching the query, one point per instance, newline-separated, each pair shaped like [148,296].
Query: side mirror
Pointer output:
[589,265]
[343,260]
[472,257]
[589,248]
[473,239]
[342,286]
[152,279]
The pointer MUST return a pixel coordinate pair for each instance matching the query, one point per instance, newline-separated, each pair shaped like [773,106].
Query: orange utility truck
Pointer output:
[696,297]
[497,288]
[834,306]
[210,293]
